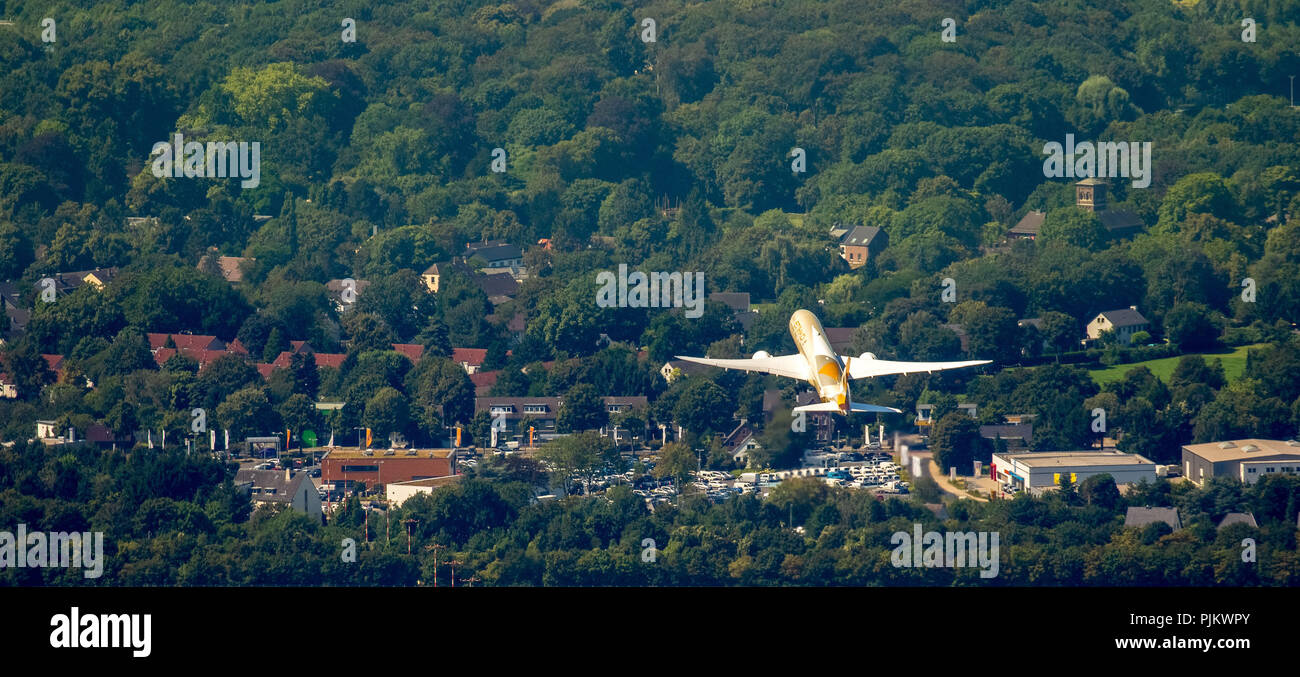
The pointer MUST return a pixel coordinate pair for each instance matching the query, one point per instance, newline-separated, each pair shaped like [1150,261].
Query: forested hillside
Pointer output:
[562,129]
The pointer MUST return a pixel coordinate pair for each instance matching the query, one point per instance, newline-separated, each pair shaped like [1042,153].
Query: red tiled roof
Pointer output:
[329,359]
[471,356]
[204,356]
[161,355]
[485,378]
[186,342]
[265,370]
[55,362]
[413,351]
[237,346]
[196,342]
[281,361]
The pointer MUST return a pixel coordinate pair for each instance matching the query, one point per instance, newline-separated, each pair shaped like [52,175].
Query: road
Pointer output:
[931,470]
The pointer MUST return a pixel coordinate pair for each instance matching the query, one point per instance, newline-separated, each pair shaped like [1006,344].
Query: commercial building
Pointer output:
[1246,460]
[343,468]
[1037,471]
[541,412]
[398,493]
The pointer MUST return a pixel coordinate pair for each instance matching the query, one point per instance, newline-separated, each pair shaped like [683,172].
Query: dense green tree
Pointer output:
[581,409]
[247,412]
[956,442]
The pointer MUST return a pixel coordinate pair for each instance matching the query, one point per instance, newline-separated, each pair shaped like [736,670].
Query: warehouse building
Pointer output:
[343,468]
[1035,472]
[1246,460]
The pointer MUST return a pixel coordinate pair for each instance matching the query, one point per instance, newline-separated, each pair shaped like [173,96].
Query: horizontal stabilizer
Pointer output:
[855,407]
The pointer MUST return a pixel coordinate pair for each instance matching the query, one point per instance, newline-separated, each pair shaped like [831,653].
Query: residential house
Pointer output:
[96,276]
[1028,227]
[336,287]
[1140,517]
[483,381]
[675,369]
[470,359]
[860,243]
[840,338]
[1232,518]
[293,490]
[231,268]
[498,284]
[740,442]
[737,301]
[1016,435]
[1125,322]
[497,253]
[411,351]
[16,314]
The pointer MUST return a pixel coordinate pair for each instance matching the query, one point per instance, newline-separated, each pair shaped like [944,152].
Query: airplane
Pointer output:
[817,363]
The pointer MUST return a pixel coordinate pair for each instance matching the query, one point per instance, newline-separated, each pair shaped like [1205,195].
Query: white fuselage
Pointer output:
[825,368]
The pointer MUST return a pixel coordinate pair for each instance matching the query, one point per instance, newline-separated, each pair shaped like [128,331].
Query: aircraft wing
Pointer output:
[859,368]
[793,366]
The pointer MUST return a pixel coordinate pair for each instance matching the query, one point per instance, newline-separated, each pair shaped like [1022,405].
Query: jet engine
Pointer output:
[762,355]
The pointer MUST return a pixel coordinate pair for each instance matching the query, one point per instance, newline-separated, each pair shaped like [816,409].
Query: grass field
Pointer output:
[1234,363]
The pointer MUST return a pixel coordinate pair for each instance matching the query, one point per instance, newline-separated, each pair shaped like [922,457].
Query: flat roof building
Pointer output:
[398,493]
[345,467]
[1247,460]
[1038,471]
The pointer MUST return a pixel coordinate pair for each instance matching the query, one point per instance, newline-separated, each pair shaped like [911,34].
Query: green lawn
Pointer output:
[1234,363]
